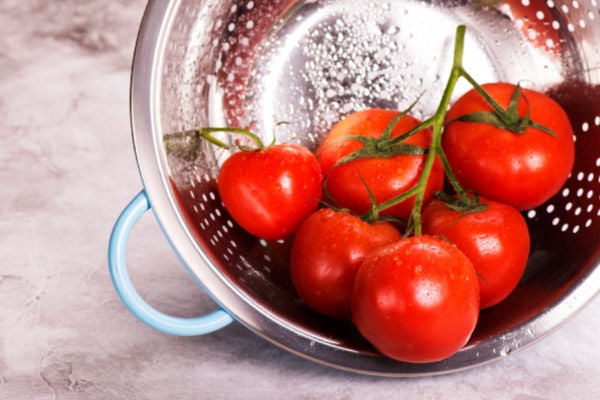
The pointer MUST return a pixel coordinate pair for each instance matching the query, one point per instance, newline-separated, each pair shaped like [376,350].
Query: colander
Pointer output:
[256,63]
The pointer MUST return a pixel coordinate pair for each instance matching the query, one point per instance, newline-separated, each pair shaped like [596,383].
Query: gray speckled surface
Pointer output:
[67,169]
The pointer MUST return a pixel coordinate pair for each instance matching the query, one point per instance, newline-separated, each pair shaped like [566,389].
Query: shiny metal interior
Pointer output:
[255,63]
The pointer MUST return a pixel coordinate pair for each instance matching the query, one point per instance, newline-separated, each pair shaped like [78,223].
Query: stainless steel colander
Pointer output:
[255,63]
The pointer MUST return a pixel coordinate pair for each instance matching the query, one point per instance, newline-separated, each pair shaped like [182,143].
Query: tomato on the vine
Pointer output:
[495,239]
[521,155]
[270,191]
[416,300]
[327,250]
[384,167]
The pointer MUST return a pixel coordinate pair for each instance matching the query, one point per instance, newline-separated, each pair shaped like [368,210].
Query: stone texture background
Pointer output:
[67,169]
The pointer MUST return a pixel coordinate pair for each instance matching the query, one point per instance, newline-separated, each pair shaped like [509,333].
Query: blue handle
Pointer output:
[130,297]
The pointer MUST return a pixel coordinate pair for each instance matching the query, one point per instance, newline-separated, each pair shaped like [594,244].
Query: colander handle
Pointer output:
[130,297]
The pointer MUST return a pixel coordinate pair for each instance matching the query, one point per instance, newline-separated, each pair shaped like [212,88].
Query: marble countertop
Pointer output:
[67,168]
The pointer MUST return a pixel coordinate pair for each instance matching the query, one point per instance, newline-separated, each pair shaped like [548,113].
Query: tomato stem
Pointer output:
[208,134]
[435,149]
[436,122]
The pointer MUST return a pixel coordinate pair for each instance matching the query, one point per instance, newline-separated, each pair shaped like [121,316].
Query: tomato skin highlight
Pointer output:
[416,300]
[327,250]
[386,177]
[523,170]
[496,240]
[269,192]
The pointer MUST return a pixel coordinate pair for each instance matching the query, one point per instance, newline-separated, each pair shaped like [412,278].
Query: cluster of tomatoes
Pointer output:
[415,292]
[409,228]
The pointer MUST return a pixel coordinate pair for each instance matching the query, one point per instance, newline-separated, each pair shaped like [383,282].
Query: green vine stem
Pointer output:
[207,133]
[436,122]
[386,146]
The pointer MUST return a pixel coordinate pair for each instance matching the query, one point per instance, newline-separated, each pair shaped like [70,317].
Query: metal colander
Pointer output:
[256,63]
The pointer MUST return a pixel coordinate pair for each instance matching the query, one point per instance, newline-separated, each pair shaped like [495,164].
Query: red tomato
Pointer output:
[385,176]
[416,300]
[520,169]
[269,192]
[496,240]
[327,250]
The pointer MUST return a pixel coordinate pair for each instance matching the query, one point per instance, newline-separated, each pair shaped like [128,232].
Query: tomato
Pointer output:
[416,300]
[521,169]
[386,176]
[269,192]
[496,240]
[326,252]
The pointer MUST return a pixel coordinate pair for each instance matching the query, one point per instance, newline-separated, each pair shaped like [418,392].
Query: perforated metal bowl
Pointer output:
[254,63]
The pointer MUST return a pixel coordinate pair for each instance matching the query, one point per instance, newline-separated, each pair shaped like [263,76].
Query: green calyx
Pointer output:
[380,148]
[466,203]
[384,146]
[504,118]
